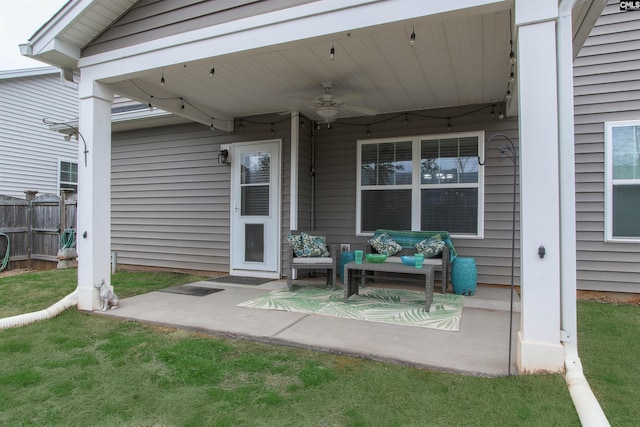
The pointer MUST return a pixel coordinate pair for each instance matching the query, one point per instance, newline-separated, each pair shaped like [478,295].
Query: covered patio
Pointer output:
[480,347]
[348,70]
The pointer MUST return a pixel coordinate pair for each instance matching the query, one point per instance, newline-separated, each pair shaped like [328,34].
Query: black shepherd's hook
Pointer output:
[508,151]
[77,132]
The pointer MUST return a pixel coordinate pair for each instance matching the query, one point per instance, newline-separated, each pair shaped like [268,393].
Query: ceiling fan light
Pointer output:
[327,113]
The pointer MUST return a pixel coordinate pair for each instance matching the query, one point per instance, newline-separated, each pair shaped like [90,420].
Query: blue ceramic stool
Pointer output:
[345,258]
[464,276]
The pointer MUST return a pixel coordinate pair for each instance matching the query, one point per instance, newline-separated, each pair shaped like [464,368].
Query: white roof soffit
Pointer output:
[59,41]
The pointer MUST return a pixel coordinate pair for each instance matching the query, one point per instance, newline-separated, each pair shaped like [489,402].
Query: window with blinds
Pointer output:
[622,188]
[420,183]
[68,176]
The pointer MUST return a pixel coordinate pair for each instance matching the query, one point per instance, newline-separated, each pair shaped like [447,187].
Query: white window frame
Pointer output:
[416,182]
[610,182]
[61,183]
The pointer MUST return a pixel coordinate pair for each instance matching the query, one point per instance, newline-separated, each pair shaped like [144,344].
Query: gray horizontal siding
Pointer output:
[30,151]
[336,185]
[170,197]
[607,88]
[154,19]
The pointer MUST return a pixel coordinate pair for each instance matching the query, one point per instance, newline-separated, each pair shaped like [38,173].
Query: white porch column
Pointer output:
[94,191]
[539,347]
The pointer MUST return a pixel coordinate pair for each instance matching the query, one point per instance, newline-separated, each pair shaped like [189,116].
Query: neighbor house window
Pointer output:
[420,183]
[622,188]
[68,176]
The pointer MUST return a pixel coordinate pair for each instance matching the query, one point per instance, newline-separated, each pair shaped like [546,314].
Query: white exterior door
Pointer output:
[255,209]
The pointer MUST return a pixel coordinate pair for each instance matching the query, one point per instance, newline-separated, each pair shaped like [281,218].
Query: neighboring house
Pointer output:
[416,90]
[32,157]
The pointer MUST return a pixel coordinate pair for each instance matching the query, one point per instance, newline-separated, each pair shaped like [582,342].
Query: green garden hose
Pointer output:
[5,259]
[68,238]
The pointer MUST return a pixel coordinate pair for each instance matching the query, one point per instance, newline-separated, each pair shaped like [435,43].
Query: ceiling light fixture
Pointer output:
[212,72]
[332,52]
[327,113]
[162,80]
[412,38]
[512,77]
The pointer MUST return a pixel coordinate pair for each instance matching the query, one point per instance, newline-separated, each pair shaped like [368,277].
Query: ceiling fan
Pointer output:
[327,104]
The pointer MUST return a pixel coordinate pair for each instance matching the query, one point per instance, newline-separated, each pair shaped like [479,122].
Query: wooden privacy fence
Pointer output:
[35,225]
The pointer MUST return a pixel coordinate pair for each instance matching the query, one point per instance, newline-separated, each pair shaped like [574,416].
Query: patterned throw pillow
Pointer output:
[306,245]
[431,246]
[295,242]
[384,244]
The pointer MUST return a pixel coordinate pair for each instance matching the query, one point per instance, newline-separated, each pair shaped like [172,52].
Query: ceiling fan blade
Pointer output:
[301,98]
[359,109]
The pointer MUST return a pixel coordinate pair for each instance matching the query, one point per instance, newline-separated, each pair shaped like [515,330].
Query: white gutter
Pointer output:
[585,402]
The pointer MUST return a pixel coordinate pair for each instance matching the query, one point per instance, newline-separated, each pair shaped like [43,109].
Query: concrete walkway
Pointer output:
[479,348]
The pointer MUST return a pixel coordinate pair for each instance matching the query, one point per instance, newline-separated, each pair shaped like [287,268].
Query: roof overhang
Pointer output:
[277,61]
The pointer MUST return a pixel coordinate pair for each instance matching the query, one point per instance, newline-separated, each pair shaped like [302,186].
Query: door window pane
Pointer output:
[254,242]
[255,168]
[255,175]
[254,200]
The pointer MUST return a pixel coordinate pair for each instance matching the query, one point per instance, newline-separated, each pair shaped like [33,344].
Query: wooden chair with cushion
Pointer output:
[309,251]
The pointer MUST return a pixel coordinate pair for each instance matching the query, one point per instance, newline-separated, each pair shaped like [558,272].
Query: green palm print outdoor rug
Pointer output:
[395,306]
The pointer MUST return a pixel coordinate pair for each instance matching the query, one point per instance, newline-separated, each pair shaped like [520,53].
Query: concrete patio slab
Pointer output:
[481,347]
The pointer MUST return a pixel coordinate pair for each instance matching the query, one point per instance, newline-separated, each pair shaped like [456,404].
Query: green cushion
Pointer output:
[408,239]
[306,245]
[431,246]
[384,244]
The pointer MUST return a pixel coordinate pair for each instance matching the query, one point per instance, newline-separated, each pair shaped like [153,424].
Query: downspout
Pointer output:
[585,402]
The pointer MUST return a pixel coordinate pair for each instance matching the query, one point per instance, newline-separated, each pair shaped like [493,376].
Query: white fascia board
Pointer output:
[28,72]
[46,37]
[116,118]
[312,20]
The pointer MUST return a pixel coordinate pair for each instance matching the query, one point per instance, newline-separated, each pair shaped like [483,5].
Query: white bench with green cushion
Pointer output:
[310,251]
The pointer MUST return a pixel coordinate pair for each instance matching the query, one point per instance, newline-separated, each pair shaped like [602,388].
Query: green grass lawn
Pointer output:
[79,369]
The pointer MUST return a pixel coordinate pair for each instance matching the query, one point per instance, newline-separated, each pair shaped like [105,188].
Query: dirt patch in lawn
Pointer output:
[14,272]
[610,297]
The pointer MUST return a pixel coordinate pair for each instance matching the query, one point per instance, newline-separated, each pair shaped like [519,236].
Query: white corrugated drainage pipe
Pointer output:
[585,402]
[28,318]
